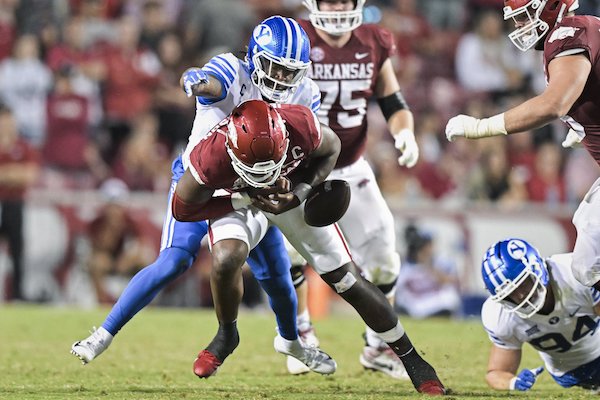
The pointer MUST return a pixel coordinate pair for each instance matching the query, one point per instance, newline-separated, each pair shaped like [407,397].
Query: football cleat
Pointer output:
[92,346]
[295,366]
[432,388]
[206,364]
[383,360]
[312,357]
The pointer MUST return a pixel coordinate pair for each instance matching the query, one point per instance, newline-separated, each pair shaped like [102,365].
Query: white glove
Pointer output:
[573,139]
[192,77]
[474,128]
[406,143]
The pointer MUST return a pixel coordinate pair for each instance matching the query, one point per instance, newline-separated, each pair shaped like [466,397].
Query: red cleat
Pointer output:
[206,364]
[432,388]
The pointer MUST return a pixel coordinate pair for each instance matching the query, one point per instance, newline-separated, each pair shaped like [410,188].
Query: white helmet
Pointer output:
[335,22]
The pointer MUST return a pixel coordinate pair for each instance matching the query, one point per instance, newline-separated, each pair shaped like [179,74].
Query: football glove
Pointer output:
[475,128]
[525,380]
[573,139]
[406,143]
[192,77]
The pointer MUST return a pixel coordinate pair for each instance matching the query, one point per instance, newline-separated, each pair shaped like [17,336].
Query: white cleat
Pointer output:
[311,357]
[383,360]
[295,366]
[92,346]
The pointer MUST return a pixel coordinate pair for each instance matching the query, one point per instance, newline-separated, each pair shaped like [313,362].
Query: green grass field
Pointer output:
[152,359]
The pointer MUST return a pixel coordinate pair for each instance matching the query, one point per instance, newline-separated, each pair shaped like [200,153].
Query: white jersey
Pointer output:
[234,75]
[565,339]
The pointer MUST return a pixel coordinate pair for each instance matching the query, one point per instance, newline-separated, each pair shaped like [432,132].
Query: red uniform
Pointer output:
[211,163]
[571,34]
[347,78]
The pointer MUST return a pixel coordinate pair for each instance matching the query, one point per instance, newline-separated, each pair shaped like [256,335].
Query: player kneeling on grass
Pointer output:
[539,302]
[252,153]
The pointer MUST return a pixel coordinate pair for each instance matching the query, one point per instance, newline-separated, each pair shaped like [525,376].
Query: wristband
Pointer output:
[240,200]
[486,127]
[301,191]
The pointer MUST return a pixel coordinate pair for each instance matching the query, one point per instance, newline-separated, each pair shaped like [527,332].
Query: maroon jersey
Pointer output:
[347,77]
[572,33]
[211,163]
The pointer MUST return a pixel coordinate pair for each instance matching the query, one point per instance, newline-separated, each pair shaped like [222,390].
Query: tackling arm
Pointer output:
[399,118]
[195,202]
[196,82]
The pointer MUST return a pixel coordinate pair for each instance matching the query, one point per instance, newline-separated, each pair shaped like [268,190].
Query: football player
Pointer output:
[275,68]
[248,153]
[351,64]
[571,47]
[539,302]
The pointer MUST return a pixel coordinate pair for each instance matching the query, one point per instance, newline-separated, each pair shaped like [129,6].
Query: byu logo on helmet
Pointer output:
[516,276]
[516,249]
[263,34]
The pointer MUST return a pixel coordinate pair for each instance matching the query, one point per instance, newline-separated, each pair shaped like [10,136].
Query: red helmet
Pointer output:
[257,142]
[535,18]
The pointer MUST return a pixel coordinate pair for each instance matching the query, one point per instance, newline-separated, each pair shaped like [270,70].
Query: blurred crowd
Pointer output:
[94,88]
[91,89]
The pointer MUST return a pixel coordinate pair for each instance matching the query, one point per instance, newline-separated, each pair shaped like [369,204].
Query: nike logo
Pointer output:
[574,312]
[360,56]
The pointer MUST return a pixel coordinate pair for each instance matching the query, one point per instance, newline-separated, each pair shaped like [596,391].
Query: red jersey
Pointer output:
[210,161]
[20,153]
[347,78]
[571,34]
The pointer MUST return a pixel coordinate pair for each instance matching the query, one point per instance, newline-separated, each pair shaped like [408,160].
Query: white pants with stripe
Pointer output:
[586,254]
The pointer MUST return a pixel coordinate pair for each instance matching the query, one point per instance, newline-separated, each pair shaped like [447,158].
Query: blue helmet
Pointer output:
[516,276]
[278,57]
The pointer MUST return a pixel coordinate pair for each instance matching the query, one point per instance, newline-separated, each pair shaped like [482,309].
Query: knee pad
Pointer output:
[297,272]
[342,279]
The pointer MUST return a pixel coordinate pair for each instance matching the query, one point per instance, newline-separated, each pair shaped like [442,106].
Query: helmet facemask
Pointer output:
[530,28]
[277,78]
[525,295]
[335,22]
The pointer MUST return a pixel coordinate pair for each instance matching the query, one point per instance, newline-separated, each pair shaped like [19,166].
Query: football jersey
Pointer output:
[573,35]
[234,75]
[211,165]
[567,337]
[347,78]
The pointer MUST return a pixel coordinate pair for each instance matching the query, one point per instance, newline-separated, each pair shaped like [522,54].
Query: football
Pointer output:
[327,203]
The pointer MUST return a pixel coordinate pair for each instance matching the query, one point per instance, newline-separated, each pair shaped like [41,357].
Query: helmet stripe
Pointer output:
[299,41]
[490,273]
[291,42]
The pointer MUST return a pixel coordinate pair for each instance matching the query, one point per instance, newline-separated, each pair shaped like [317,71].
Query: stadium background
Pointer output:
[121,59]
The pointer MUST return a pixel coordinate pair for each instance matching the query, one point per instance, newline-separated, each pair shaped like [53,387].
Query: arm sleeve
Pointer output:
[223,67]
[188,212]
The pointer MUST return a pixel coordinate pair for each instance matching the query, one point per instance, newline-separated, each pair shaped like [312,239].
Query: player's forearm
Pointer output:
[215,207]
[534,113]
[212,88]
[400,120]
[499,380]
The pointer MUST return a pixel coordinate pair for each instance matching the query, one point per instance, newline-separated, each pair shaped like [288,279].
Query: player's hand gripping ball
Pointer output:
[327,203]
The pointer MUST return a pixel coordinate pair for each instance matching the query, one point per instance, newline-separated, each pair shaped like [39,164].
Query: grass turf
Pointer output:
[152,359]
